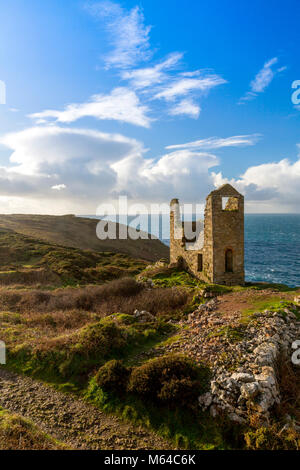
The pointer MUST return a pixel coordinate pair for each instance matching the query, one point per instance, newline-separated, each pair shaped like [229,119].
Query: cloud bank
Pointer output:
[81,168]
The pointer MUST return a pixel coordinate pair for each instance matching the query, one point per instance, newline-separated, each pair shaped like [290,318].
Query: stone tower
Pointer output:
[214,250]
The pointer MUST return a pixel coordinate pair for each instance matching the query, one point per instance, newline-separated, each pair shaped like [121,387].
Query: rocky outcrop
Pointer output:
[253,386]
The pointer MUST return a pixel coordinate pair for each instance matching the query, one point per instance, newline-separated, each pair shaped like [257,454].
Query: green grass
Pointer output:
[275,287]
[71,360]
[187,429]
[233,335]
[171,340]
[273,304]
[175,278]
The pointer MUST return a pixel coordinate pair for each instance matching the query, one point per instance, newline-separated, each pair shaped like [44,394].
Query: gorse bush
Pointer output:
[178,389]
[174,380]
[102,339]
[124,287]
[113,377]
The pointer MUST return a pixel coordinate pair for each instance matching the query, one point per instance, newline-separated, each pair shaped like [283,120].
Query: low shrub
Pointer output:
[272,438]
[124,287]
[101,339]
[113,377]
[173,380]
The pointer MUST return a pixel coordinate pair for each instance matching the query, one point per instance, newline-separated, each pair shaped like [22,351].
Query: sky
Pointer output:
[150,100]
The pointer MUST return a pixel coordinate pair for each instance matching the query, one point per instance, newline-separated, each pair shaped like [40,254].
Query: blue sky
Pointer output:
[152,100]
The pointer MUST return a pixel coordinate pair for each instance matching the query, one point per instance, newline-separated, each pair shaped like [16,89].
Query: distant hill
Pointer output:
[79,232]
[31,262]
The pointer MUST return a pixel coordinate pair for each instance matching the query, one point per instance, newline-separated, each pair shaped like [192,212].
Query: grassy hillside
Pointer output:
[80,233]
[88,340]
[117,332]
[30,262]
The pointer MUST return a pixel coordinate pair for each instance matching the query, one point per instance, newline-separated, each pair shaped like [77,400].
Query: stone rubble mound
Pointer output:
[253,386]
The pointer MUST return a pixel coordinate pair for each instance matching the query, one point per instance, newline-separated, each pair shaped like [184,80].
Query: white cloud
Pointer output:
[216,142]
[262,80]
[161,82]
[183,86]
[43,157]
[174,174]
[249,96]
[186,107]
[270,187]
[45,150]
[59,187]
[121,104]
[145,77]
[264,76]
[127,31]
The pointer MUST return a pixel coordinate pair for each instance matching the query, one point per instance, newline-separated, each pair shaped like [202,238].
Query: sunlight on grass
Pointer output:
[272,304]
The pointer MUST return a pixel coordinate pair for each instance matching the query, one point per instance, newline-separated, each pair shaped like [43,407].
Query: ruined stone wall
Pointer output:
[178,251]
[208,251]
[176,232]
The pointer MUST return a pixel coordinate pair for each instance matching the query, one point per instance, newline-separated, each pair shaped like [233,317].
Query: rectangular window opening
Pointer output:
[230,204]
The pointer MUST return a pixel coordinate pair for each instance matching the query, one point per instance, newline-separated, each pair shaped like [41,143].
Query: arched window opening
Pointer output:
[229,261]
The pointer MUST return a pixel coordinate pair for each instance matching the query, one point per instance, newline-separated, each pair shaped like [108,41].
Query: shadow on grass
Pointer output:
[187,429]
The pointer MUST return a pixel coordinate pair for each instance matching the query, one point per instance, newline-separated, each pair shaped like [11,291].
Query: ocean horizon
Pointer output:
[272,244]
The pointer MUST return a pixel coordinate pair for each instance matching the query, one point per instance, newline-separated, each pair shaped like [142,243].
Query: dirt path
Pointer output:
[71,420]
[239,301]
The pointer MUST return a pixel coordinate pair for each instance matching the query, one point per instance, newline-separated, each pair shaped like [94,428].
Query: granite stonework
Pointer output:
[214,250]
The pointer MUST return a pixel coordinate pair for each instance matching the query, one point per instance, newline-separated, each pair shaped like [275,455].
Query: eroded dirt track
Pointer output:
[71,420]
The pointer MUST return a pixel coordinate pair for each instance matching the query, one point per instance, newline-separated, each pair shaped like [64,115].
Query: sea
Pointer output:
[272,244]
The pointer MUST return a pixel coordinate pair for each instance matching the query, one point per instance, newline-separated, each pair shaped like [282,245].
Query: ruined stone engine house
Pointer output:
[212,250]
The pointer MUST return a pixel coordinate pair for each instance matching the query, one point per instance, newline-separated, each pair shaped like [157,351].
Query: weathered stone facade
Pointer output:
[214,250]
